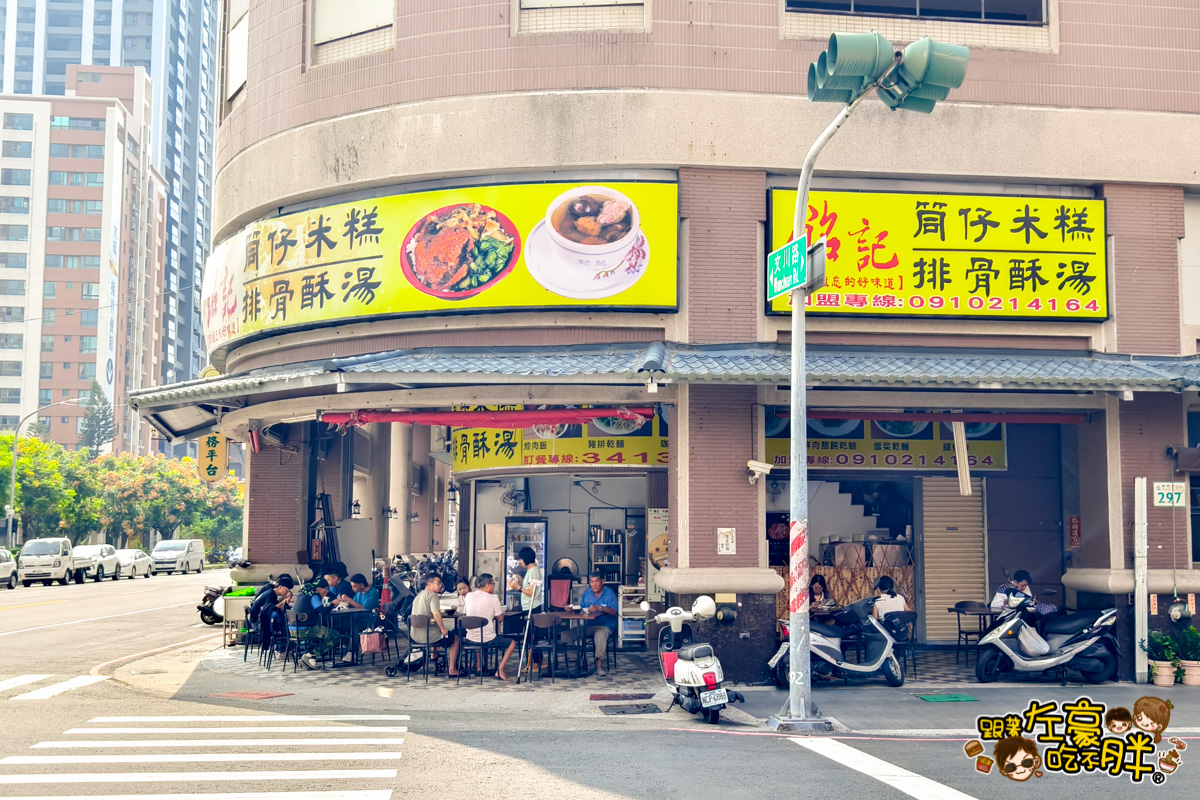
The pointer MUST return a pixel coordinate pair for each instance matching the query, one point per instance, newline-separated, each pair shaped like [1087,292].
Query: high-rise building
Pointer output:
[82,222]
[175,42]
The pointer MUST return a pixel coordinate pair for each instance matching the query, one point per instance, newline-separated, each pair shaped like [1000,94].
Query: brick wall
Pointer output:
[1148,425]
[721,439]
[275,506]
[1094,549]
[1147,224]
[1112,55]
[724,209]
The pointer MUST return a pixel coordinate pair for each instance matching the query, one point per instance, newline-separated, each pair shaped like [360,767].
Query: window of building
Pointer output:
[91,291]
[14,177]
[47,343]
[17,150]
[103,17]
[27,15]
[91,234]
[11,341]
[10,369]
[87,77]
[130,43]
[18,122]
[87,344]
[46,370]
[14,233]
[12,288]
[14,205]
[45,397]
[12,314]
[89,317]
[237,43]
[91,262]
[10,396]
[77,123]
[48,315]
[24,87]
[87,370]
[9,422]
[64,19]
[1021,12]
[14,260]
[49,289]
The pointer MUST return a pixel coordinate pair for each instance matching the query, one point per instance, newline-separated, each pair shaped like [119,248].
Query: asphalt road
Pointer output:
[111,736]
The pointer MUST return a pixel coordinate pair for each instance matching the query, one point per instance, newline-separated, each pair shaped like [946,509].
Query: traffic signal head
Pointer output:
[927,72]
[852,62]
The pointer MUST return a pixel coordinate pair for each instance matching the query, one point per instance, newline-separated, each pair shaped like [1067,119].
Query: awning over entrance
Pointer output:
[191,408]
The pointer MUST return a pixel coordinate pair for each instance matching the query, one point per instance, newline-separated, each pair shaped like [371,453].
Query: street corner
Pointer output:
[165,671]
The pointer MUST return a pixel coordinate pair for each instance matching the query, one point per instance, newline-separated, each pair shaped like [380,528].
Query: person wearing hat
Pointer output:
[888,599]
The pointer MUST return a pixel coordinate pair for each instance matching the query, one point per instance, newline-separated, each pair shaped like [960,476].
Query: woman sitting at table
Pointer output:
[888,599]
[819,600]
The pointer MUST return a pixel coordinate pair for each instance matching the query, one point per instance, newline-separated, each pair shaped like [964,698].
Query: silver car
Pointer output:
[135,562]
[104,561]
[8,569]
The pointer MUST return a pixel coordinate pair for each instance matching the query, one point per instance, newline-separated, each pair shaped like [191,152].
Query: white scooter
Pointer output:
[1083,642]
[692,671]
[825,644]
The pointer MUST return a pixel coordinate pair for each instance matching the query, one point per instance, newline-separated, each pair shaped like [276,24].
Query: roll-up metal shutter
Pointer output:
[954,554]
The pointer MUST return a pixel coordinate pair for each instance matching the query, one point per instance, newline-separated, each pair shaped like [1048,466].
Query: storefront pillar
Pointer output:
[398,529]
[379,485]
[274,519]
[713,435]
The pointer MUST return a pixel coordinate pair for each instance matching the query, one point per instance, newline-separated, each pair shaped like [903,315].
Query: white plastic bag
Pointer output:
[1031,643]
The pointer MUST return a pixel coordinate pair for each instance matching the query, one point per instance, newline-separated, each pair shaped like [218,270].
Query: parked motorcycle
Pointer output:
[1021,642]
[692,671]
[825,645]
[209,613]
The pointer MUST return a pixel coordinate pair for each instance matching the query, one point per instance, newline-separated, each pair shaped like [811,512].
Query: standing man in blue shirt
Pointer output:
[602,600]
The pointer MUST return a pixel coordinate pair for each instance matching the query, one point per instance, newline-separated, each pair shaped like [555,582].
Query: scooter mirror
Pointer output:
[644,606]
[704,607]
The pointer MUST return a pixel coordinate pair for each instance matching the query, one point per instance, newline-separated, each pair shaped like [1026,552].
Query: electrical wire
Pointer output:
[596,496]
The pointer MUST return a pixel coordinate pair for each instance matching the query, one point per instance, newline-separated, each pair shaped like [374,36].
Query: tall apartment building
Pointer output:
[175,42]
[82,221]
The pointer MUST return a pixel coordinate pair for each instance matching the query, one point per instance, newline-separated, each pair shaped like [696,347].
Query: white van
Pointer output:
[178,555]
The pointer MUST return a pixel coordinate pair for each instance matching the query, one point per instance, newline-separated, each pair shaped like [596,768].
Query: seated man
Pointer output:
[312,617]
[429,604]
[270,608]
[1020,582]
[366,596]
[482,603]
[338,585]
[602,600]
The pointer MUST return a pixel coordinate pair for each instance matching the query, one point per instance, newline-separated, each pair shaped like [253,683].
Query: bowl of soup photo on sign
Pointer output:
[458,251]
[592,229]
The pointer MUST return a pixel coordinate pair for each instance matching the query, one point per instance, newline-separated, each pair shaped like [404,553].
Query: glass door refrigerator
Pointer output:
[519,532]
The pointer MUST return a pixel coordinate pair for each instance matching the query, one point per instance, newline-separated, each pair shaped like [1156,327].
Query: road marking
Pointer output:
[32,605]
[901,779]
[96,669]
[372,794]
[187,758]
[21,680]
[206,777]
[252,729]
[265,718]
[46,692]
[97,619]
[218,741]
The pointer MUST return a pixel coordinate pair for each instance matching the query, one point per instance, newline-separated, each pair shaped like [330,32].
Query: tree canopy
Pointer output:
[99,427]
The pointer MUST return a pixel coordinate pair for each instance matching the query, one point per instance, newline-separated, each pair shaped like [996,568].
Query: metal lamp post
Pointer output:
[11,510]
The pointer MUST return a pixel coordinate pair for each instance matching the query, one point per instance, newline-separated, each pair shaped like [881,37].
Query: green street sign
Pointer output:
[787,268]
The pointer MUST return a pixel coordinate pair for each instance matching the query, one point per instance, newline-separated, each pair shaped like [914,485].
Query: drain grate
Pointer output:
[633,708]
[635,696]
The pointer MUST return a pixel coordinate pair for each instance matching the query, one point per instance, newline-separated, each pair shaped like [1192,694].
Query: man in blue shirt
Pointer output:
[602,600]
[366,596]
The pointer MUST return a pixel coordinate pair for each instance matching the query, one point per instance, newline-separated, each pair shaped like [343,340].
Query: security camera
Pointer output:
[756,469]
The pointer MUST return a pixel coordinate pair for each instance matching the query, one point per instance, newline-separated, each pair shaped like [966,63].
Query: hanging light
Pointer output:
[452,493]
[356,508]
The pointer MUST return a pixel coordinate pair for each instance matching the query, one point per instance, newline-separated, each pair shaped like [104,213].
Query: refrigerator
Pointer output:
[519,532]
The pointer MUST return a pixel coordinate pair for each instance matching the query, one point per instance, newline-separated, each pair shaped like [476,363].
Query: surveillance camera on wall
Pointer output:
[756,469]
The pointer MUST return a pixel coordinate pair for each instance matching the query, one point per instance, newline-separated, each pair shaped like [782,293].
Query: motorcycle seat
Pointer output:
[692,652]
[1071,623]
[828,631]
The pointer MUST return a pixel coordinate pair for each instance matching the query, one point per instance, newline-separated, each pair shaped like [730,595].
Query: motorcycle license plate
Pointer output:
[717,697]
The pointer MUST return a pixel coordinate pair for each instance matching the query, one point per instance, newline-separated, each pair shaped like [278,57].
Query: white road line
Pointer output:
[46,692]
[216,741]
[265,718]
[899,778]
[370,794]
[206,777]
[96,619]
[197,758]
[21,680]
[254,729]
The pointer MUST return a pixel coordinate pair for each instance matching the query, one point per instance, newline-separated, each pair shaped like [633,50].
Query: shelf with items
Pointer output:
[606,554]
[632,625]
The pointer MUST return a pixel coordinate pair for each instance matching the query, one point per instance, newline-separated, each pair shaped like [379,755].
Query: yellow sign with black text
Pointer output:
[604,442]
[212,462]
[952,255]
[464,250]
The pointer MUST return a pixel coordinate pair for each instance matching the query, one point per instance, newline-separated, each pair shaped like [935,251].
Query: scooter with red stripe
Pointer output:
[692,671]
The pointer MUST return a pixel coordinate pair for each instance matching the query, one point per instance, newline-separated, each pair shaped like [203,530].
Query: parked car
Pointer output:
[8,570]
[49,560]
[135,562]
[178,555]
[105,563]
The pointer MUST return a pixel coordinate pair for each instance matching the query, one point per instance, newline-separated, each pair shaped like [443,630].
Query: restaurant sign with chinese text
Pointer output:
[898,445]
[464,250]
[952,255]
[603,442]
[212,458]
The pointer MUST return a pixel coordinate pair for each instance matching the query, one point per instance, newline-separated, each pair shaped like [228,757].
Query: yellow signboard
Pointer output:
[952,255]
[212,462]
[605,442]
[905,446]
[475,248]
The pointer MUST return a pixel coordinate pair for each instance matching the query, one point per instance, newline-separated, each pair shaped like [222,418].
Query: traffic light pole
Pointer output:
[801,715]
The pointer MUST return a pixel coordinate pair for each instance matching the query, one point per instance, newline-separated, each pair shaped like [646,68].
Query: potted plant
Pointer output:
[1188,650]
[1160,650]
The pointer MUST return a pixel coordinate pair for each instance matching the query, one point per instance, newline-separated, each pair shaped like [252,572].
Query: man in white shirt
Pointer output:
[482,603]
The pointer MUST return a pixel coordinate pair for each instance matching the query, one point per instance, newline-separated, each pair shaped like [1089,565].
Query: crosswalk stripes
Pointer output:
[21,680]
[352,754]
[47,692]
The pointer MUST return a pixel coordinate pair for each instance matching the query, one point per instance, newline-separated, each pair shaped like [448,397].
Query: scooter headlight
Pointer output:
[1110,620]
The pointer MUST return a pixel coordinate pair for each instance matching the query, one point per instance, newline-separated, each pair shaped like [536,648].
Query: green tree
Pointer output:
[80,508]
[38,430]
[99,427]
[40,485]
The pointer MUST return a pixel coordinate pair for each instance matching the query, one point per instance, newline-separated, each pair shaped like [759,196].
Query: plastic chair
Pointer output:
[482,648]
[968,636]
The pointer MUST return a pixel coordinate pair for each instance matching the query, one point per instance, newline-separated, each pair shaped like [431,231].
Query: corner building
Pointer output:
[1024,260]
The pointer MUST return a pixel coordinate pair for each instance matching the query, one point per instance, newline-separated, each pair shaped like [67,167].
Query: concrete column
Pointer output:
[274,519]
[380,488]
[399,532]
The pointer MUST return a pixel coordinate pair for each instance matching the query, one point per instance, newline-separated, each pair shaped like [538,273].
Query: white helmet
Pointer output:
[704,607]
